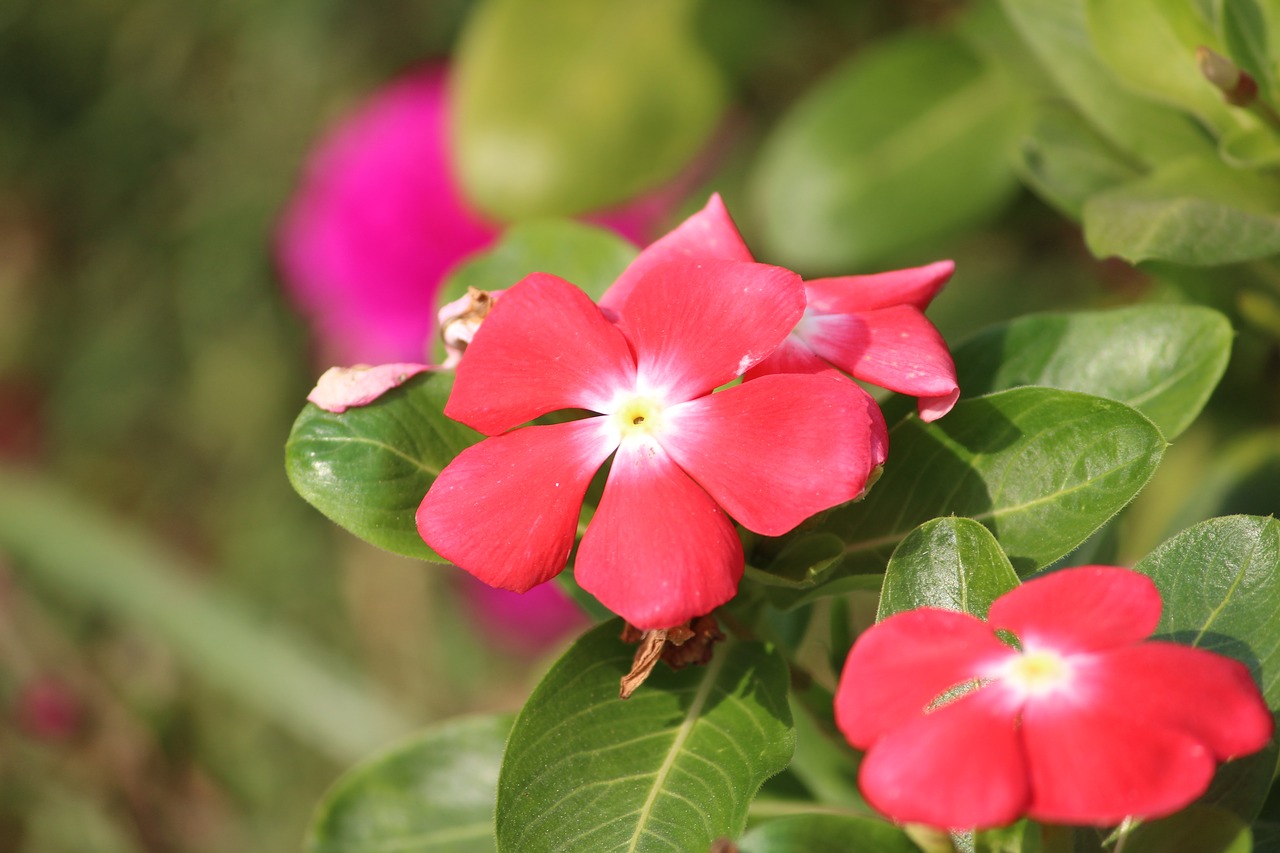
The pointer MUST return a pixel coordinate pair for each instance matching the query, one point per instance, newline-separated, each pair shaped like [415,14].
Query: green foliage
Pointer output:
[951,563]
[1221,586]
[671,769]
[369,467]
[566,106]
[433,794]
[825,833]
[1001,460]
[1163,360]
[862,167]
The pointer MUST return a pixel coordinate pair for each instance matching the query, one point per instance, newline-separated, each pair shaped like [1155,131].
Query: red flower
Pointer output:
[1088,723]
[660,548]
[869,326]
[873,327]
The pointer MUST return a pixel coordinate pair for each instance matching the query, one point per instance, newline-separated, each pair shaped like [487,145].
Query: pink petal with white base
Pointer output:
[776,450]
[1081,609]
[851,293]
[342,388]
[543,347]
[506,509]
[791,356]
[698,326]
[1098,764]
[896,348]
[902,665]
[959,767]
[1165,684]
[658,551]
[707,235]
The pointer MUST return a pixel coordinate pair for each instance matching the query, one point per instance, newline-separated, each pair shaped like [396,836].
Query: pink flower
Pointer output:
[660,548]
[873,327]
[379,221]
[1088,722]
[869,326]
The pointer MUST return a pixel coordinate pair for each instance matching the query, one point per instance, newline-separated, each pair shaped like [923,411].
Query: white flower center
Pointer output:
[639,417]
[1037,673]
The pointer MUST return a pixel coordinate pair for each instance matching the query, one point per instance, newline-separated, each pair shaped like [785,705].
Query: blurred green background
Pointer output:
[217,650]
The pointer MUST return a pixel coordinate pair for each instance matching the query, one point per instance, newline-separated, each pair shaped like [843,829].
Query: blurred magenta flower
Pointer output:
[1086,721]
[48,709]
[379,220]
[660,548]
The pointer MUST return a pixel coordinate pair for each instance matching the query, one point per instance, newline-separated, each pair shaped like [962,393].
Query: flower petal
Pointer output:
[342,388]
[959,767]
[658,551]
[776,450]
[896,348]
[899,667]
[792,356]
[506,509]
[1166,684]
[707,235]
[1081,609]
[853,293]
[1093,763]
[696,326]
[543,347]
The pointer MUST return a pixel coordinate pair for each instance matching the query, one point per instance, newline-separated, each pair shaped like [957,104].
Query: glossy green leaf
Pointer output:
[1221,586]
[369,467]
[1195,212]
[950,563]
[1241,785]
[1151,46]
[671,769]
[1066,161]
[1058,32]
[1163,360]
[434,794]
[826,833]
[585,255]
[1039,467]
[908,141]
[1199,829]
[565,106]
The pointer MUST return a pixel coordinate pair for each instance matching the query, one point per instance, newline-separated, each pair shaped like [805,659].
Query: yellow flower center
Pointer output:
[1038,673]
[638,417]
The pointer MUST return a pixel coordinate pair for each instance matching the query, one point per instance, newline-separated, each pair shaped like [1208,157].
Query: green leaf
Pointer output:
[671,769]
[434,794]
[950,563]
[1195,212]
[1039,467]
[1245,33]
[1198,829]
[1221,586]
[1066,161]
[825,833]
[905,143]
[1163,360]
[566,106]
[1058,32]
[369,467]
[585,255]
[1255,147]
[1150,45]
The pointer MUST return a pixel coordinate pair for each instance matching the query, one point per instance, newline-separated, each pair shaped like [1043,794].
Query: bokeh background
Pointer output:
[189,653]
